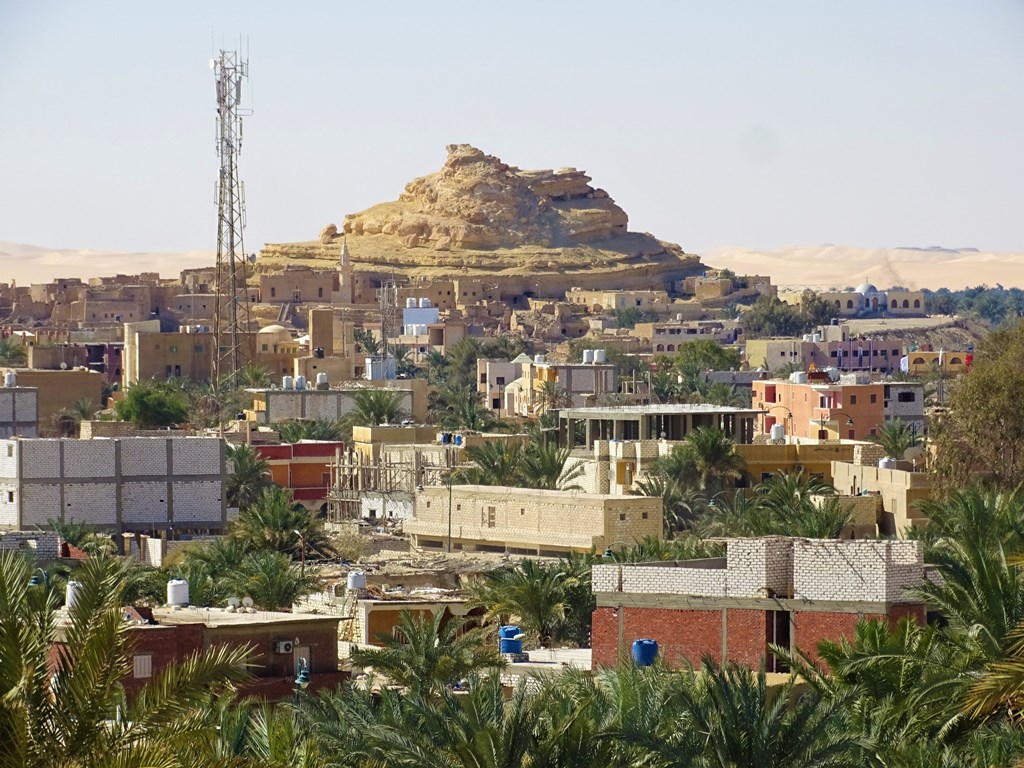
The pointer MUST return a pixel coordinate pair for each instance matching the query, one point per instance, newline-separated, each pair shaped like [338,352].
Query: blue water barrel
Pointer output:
[458,439]
[506,641]
[645,652]
[446,438]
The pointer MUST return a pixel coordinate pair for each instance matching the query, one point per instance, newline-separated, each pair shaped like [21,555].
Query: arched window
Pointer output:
[917,303]
[837,304]
[918,361]
[671,348]
[849,304]
[660,348]
[894,303]
[955,361]
[906,304]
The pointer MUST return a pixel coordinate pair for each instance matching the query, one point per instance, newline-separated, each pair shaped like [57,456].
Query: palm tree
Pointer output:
[369,343]
[714,460]
[498,462]
[271,579]
[897,437]
[547,466]
[12,353]
[532,593]
[551,397]
[377,406]
[68,708]
[69,420]
[427,654]
[273,521]
[295,430]
[405,367]
[250,475]
[678,508]
[253,376]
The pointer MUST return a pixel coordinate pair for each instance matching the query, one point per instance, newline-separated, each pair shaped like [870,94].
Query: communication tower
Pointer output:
[231,305]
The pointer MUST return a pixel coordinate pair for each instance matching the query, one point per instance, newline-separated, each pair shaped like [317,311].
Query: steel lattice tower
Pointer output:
[231,306]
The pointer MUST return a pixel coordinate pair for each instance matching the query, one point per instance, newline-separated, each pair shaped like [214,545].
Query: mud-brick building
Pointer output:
[793,593]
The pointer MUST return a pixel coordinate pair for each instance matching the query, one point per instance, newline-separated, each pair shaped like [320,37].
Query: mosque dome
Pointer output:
[866,288]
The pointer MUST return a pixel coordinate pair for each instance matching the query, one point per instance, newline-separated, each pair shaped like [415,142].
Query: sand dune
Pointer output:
[820,267]
[26,264]
[837,266]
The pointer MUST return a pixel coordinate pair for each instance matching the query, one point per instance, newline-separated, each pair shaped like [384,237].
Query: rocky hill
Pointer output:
[541,231]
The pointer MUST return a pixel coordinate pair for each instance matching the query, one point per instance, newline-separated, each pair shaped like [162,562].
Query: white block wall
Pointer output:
[196,502]
[143,457]
[8,503]
[92,503]
[89,459]
[9,450]
[656,579]
[195,456]
[41,458]
[26,406]
[41,503]
[143,502]
[856,570]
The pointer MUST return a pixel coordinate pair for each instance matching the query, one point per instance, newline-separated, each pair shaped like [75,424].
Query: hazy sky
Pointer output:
[716,123]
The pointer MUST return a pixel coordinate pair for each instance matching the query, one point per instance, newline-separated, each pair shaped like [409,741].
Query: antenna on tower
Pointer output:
[231,305]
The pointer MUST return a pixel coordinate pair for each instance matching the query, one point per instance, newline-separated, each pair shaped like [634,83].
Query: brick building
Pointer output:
[304,468]
[57,391]
[162,636]
[19,410]
[118,484]
[789,592]
[530,521]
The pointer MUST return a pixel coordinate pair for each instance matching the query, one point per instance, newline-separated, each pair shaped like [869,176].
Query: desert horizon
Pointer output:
[820,267]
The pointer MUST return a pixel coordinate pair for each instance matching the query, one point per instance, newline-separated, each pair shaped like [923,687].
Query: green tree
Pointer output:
[531,593]
[550,467]
[982,434]
[273,521]
[897,437]
[271,579]
[253,376]
[68,708]
[12,353]
[294,430]
[250,476]
[705,355]
[497,462]
[368,343]
[377,406]
[714,460]
[428,653]
[153,404]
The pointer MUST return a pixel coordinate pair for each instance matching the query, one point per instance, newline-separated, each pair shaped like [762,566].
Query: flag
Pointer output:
[905,364]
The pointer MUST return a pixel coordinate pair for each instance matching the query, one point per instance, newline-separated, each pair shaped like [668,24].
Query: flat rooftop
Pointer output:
[221,617]
[654,409]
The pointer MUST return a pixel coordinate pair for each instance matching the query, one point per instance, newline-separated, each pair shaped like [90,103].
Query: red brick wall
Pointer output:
[747,636]
[681,635]
[814,626]
[897,612]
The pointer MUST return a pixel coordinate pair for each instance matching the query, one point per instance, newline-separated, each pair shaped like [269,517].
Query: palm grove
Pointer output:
[945,694]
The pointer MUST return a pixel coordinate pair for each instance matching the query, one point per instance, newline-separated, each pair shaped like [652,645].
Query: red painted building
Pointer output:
[788,592]
[304,468]
[278,641]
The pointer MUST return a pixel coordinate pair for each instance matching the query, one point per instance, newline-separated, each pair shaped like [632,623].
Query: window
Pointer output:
[491,517]
[10,451]
[906,304]
[622,517]
[172,349]
[10,497]
[496,403]
[458,507]
[199,347]
[874,399]
[917,303]
[638,302]
[500,381]
[273,291]
[853,399]
[906,397]
[428,505]
[319,293]
[142,665]
[644,515]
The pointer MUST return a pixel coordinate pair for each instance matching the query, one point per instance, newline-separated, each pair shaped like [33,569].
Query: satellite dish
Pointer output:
[63,366]
[213,64]
[252,258]
[247,601]
[234,602]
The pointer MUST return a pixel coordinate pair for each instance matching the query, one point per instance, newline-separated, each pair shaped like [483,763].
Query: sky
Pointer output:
[873,123]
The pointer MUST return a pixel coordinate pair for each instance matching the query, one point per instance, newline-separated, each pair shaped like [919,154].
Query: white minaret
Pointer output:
[345,268]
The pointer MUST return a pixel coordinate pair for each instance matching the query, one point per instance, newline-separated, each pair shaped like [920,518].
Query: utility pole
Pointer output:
[230,320]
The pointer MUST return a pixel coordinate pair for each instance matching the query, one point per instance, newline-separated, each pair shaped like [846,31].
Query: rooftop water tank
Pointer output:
[588,356]
[300,383]
[599,356]
[71,592]
[321,381]
[539,359]
[798,377]
[778,432]
[887,463]
[458,440]
[356,580]
[424,303]
[287,382]
[808,337]
[645,652]
[510,639]
[410,303]
[10,379]
[177,592]
[816,338]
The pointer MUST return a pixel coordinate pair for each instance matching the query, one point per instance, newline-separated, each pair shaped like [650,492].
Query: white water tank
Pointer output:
[71,592]
[588,356]
[599,356]
[798,377]
[816,338]
[300,383]
[321,381]
[356,580]
[10,379]
[410,303]
[778,432]
[287,382]
[177,592]
[539,359]
[808,337]
[424,303]
[887,463]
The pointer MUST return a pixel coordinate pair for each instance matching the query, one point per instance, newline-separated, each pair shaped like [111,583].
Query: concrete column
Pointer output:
[570,433]
[590,433]
[617,429]
[645,427]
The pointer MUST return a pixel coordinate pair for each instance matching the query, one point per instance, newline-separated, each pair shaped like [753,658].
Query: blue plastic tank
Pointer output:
[458,440]
[507,642]
[645,652]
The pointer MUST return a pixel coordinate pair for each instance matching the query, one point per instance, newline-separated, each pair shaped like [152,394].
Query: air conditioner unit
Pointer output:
[284,646]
